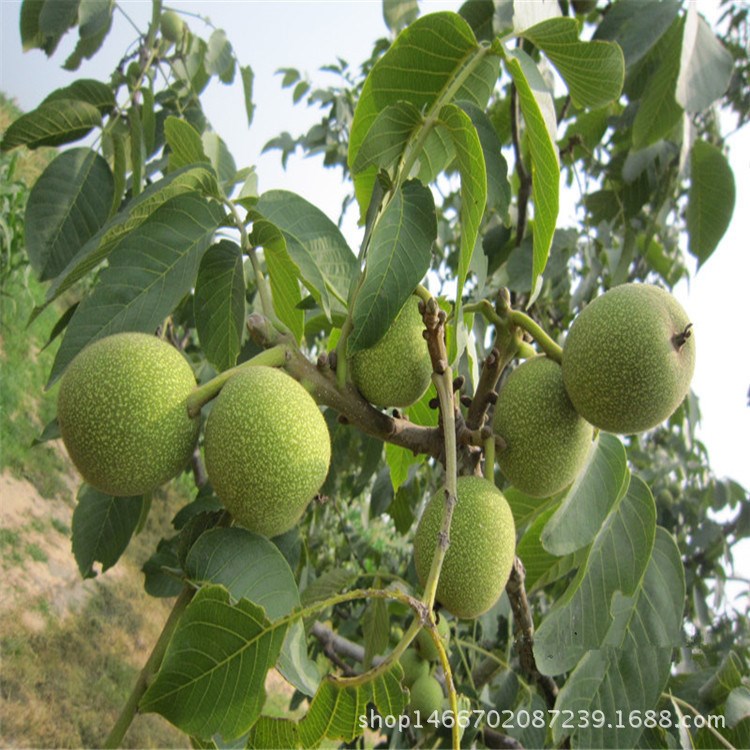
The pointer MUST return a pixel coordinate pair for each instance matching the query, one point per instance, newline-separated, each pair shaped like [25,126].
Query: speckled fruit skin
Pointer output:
[123,415]
[546,439]
[426,646]
[414,666]
[267,449]
[482,547]
[426,696]
[620,365]
[396,371]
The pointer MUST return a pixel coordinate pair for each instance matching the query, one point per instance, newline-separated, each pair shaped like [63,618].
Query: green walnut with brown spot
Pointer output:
[123,413]
[482,547]
[629,358]
[267,449]
[395,371]
[546,440]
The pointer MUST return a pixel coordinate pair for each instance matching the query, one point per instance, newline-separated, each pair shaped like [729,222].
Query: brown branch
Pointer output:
[498,741]
[524,177]
[523,628]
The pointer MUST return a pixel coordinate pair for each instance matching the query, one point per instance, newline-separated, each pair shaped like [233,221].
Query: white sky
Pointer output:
[308,34]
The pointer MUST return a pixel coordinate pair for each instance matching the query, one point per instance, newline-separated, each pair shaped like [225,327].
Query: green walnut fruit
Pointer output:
[396,371]
[172,26]
[414,666]
[629,358]
[267,449]
[123,414]
[482,547]
[426,696]
[425,644]
[546,440]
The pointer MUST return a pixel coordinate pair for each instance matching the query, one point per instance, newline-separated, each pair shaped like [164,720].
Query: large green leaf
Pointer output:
[219,303]
[102,527]
[68,204]
[86,90]
[630,670]
[283,274]
[473,171]
[710,200]
[137,211]
[211,680]
[433,62]
[705,65]
[658,110]
[388,136]
[498,187]
[597,488]
[251,567]
[44,23]
[593,71]
[637,25]
[184,141]
[538,110]
[315,244]
[397,259]
[580,620]
[149,273]
[52,124]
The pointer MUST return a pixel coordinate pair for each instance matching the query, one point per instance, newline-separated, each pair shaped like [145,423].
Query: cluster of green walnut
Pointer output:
[626,366]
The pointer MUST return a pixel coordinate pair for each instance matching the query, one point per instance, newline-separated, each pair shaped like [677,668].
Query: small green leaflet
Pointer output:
[593,71]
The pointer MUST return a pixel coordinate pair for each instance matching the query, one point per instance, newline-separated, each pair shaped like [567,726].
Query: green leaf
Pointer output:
[633,666]
[471,167]
[219,303]
[315,244]
[328,584]
[537,106]
[705,65]
[221,159]
[498,187]
[68,204]
[283,274]
[246,72]
[658,111]
[57,16]
[185,143]
[375,629]
[51,431]
[336,710]
[599,485]
[211,680]
[593,71]
[387,137]
[86,90]
[399,13]
[52,124]
[398,460]
[637,26]
[130,218]
[219,56]
[94,23]
[44,23]
[433,62]
[151,270]
[273,733]
[102,527]
[397,259]
[580,620]
[710,199]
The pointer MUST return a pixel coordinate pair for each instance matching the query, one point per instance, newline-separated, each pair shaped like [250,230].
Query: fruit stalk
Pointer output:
[550,348]
[274,357]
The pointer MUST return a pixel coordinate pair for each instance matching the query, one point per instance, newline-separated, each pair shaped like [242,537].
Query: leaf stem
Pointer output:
[684,704]
[274,357]
[129,710]
[550,347]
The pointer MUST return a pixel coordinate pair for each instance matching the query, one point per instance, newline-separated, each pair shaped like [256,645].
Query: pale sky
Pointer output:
[308,34]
